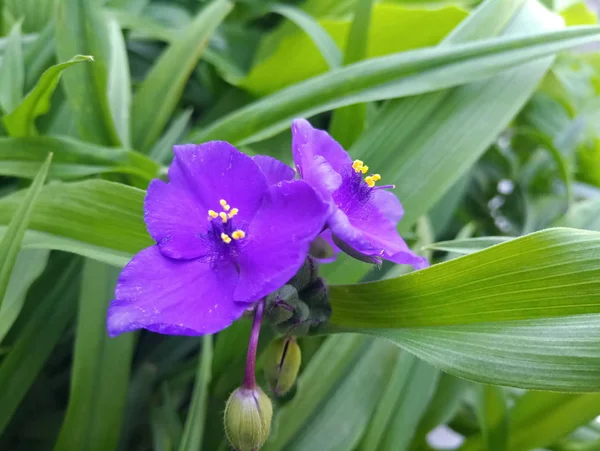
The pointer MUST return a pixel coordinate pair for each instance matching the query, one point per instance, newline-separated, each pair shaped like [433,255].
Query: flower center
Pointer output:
[225,215]
[361,168]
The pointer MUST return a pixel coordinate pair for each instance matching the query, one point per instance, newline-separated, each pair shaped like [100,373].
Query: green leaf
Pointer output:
[162,151]
[82,28]
[404,74]
[12,71]
[119,82]
[72,159]
[404,400]
[489,316]
[540,419]
[40,332]
[100,371]
[11,241]
[94,218]
[492,412]
[21,121]
[194,424]
[341,385]
[169,75]
[349,122]
[468,245]
[393,28]
[29,265]
[328,48]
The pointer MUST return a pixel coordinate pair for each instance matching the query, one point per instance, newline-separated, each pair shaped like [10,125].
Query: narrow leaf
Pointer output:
[492,413]
[12,71]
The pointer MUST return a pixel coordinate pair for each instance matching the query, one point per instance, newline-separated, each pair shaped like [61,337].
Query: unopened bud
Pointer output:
[248,418]
[281,304]
[306,274]
[282,364]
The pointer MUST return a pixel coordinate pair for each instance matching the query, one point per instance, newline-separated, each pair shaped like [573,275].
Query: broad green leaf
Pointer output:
[394,28]
[492,412]
[12,71]
[35,13]
[468,245]
[151,112]
[11,241]
[349,122]
[54,309]
[29,265]
[21,121]
[317,34]
[540,419]
[404,400]
[94,218]
[100,371]
[404,74]
[194,424]
[522,313]
[82,28]
[341,385]
[72,159]
[39,56]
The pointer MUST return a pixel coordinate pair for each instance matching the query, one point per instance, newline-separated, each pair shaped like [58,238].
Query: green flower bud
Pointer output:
[305,275]
[248,418]
[282,364]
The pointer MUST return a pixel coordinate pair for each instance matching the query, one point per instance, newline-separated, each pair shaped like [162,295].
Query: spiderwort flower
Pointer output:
[363,216]
[226,237]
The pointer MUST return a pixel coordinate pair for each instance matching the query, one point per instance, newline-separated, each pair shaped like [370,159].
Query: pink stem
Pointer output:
[250,373]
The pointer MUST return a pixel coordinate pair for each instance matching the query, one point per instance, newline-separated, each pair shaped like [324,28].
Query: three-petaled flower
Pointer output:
[363,216]
[229,230]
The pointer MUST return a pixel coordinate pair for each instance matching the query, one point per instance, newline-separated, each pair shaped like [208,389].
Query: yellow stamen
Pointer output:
[223,216]
[376,177]
[225,238]
[213,214]
[357,165]
[238,235]
[224,204]
[364,169]
[370,181]
[233,212]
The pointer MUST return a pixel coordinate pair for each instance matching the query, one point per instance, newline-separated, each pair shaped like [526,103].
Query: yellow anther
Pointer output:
[370,181]
[238,235]
[364,169]
[226,239]
[213,214]
[224,204]
[233,212]
[376,177]
[357,165]
[223,216]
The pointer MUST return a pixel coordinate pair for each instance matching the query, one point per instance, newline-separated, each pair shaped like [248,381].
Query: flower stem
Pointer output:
[250,373]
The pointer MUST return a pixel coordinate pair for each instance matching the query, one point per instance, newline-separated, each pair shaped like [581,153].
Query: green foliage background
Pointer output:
[484,114]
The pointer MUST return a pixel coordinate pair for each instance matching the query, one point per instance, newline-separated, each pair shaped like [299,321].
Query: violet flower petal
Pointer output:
[174,297]
[274,170]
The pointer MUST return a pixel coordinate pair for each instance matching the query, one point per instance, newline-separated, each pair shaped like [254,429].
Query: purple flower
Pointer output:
[226,237]
[363,216]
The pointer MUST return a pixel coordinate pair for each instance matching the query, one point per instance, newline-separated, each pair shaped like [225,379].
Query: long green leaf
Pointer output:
[151,112]
[404,400]
[398,75]
[492,412]
[82,28]
[73,159]
[12,71]
[21,121]
[119,82]
[194,424]
[100,372]
[11,242]
[43,328]
[95,218]
[29,265]
[522,313]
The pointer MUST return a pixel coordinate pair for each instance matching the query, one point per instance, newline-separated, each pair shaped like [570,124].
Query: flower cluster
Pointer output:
[231,229]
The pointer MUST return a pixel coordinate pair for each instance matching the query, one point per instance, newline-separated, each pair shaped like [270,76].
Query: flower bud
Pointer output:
[282,364]
[248,418]
[306,274]
[280,305]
